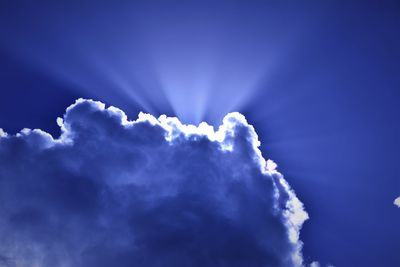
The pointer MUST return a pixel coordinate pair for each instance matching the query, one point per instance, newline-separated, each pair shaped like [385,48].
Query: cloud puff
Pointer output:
[317,264]
[150,192]
[397,202]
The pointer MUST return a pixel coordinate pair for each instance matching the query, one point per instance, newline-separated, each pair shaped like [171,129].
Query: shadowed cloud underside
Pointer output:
[149,192]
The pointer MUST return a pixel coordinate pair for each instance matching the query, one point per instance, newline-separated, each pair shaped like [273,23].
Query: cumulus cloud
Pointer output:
[150,192]
[397,202]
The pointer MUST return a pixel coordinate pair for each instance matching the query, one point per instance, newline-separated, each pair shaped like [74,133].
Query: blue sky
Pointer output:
[319,82]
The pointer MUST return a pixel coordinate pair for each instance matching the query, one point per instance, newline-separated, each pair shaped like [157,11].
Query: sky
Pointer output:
[318,80]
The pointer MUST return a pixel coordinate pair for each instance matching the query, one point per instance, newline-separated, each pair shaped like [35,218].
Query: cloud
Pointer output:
[150,192]
[397,202]
[317,264]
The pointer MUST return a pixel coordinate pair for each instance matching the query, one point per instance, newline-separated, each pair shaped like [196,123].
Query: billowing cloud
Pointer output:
[150,192]
[397,202]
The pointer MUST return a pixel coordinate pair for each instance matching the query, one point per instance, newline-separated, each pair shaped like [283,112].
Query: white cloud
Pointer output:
[397,202]
[2,133]
[317,264]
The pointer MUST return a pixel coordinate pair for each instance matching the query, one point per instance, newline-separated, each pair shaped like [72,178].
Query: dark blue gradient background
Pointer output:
[319,81]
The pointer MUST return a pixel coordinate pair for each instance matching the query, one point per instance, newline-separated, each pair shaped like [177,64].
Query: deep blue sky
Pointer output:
[319,81]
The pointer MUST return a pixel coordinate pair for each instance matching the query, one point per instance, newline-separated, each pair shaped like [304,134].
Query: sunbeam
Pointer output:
[317,84]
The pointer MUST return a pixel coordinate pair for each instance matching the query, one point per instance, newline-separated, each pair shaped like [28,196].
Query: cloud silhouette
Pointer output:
[151,192]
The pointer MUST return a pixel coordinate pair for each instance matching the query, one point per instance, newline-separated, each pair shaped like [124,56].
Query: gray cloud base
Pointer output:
[150,192]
